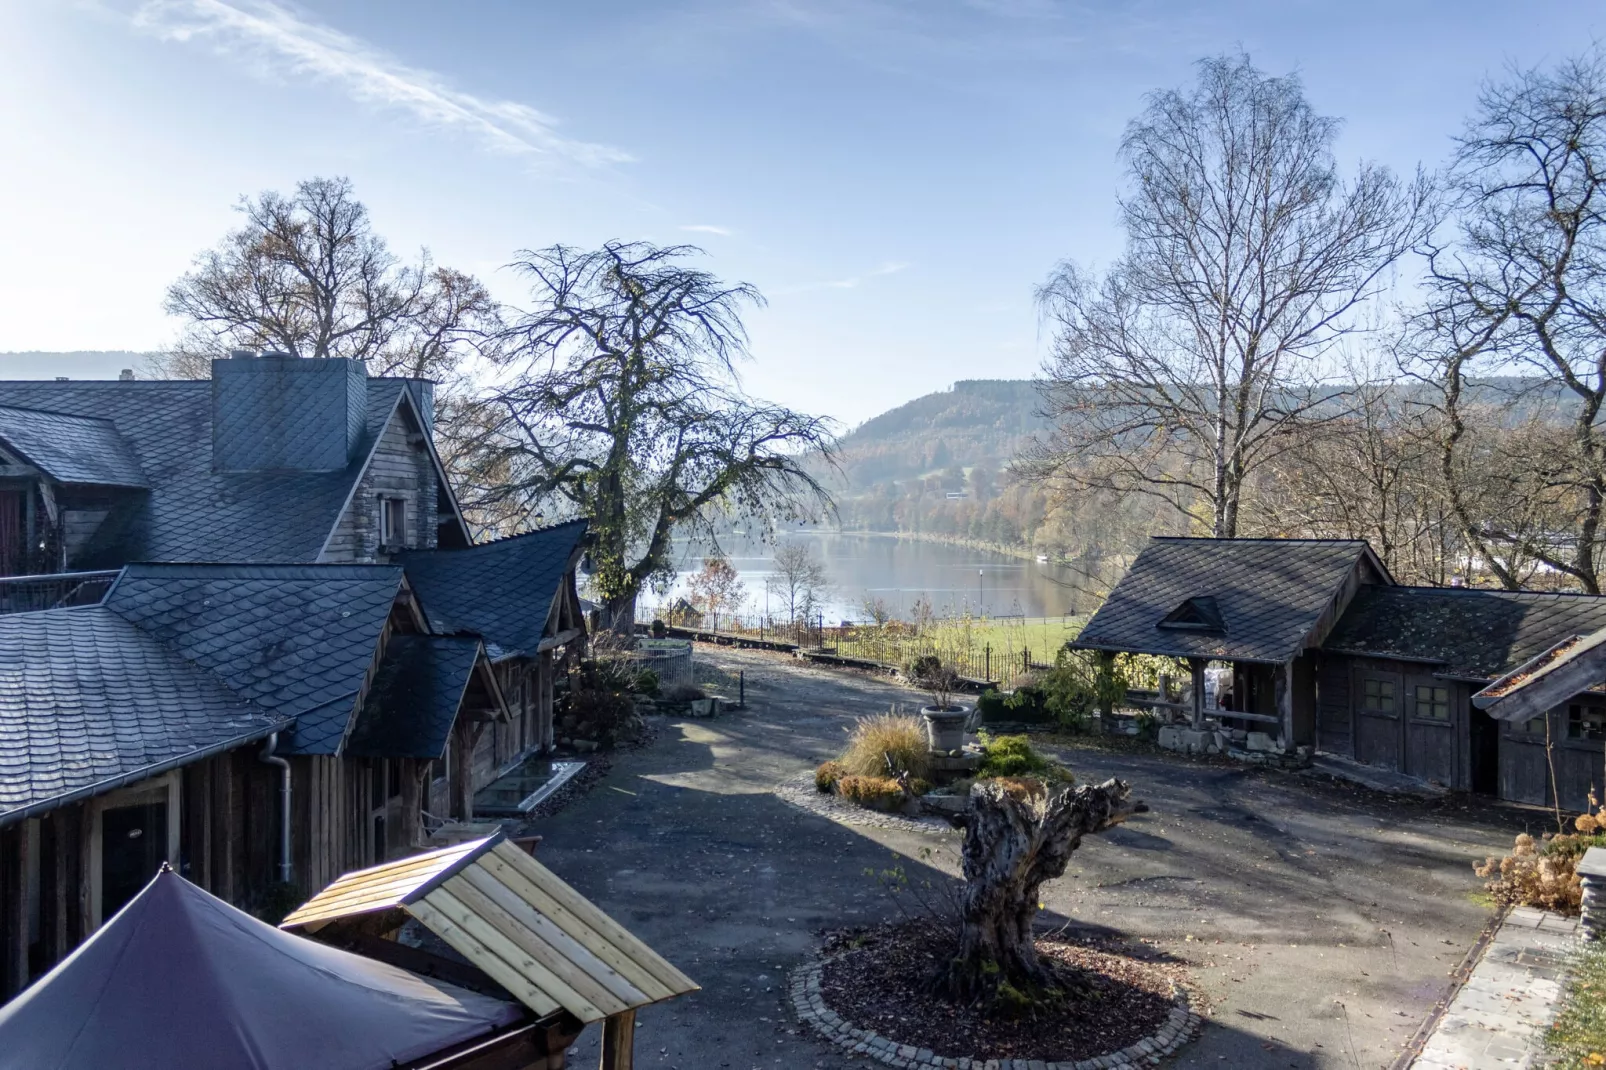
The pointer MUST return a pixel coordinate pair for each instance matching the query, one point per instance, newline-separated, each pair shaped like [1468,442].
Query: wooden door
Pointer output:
[1379,720]
[1430,751]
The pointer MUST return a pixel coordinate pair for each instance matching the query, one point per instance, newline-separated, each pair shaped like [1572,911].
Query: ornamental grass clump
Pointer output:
[827,775]
[885,745]
[876,792]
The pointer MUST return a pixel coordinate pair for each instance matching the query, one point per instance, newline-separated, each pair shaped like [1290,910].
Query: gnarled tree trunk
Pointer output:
[1016,837]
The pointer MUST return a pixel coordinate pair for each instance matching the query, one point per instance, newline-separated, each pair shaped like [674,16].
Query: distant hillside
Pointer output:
[978,422]
[81,364]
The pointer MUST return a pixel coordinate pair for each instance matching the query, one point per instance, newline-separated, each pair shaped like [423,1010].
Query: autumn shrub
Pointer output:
[878,792]
[1540,873]
[826,776]
[887,743]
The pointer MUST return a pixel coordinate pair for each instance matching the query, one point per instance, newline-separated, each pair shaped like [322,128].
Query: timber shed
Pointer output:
[510,921]
[1328,651]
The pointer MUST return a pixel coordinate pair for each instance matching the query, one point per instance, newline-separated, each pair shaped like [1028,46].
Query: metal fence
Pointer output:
[24,594]
[979,649]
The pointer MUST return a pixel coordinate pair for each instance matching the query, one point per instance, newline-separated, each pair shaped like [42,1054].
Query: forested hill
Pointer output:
[935,465]
[977,422]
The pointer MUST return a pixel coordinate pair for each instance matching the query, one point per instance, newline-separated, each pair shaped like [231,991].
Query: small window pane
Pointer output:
[1586,722]
[1534,726]
[1377,696]
[1432,703]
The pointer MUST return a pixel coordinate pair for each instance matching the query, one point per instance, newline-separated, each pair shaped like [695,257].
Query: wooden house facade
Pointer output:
[1328,652]
[270,723]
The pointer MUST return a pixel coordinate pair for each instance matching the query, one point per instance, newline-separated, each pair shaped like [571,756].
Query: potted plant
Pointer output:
[945,719]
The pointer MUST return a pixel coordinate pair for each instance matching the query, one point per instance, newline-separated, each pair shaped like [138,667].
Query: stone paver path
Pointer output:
[1498,1019]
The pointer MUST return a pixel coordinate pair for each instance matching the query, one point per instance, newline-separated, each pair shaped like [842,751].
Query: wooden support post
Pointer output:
[619,1041]
[14,844]
[63,824]
[1106,692]
[545,733]
[1285,703]
[1197,667]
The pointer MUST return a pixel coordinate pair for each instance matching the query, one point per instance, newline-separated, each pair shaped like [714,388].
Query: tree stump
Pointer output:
[1017,836]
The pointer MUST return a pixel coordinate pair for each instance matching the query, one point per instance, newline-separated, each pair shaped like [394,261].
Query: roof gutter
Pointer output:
[101,787]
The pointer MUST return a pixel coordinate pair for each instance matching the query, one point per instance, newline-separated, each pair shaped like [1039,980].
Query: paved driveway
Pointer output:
[1322,922]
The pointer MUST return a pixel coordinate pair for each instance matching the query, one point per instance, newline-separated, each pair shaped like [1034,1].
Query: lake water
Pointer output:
[954,579]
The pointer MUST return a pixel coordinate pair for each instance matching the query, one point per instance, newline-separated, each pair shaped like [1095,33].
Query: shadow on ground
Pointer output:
[1321,924]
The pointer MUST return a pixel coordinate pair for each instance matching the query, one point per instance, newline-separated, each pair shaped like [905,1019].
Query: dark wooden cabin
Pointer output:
[1327,651]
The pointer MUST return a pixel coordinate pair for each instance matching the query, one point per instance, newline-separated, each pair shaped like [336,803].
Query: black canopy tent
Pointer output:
[180,978]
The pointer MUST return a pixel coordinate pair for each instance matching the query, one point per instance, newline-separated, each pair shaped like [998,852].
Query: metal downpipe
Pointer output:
[267,756]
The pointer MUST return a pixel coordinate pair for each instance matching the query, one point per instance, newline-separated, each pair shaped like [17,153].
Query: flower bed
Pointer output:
[1124,1004]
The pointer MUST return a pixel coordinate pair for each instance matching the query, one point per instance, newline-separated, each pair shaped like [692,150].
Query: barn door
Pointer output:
[1379,718]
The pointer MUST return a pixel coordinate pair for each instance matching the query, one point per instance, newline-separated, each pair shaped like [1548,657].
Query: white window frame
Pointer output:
[388,538]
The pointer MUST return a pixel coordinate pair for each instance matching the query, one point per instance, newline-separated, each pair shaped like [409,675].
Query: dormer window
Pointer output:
[1197,614]
[392,523]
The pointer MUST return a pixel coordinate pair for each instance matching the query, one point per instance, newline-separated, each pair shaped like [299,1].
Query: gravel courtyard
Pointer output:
[1321,921]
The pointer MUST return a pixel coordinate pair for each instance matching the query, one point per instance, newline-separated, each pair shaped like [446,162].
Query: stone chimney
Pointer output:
[277,411]
[423,391]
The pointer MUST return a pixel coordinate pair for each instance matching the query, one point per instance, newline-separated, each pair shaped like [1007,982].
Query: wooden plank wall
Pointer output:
[400,468]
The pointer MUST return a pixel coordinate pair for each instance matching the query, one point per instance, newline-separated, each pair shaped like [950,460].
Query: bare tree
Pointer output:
[1519,289]
[717,589]
[800,580]
[1371,473]
[307,275]
[1188,365]
[623,404]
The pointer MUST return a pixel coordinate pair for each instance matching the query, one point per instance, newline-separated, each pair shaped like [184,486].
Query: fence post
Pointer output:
[987,673]
[1026,659]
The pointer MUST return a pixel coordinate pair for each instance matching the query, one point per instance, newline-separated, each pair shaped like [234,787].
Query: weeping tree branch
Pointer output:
[620,400]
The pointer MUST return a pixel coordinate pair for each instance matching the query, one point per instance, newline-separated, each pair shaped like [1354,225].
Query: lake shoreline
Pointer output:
[1020,553]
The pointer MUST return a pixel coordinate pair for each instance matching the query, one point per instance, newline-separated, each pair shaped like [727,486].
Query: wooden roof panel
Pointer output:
[516,921]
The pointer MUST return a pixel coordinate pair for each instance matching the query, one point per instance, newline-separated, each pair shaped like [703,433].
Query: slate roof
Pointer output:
[1269,593]
[415,696]
[70,449]
[87,698]
[1470,633]
[191,512]
[296,639]
[502,590]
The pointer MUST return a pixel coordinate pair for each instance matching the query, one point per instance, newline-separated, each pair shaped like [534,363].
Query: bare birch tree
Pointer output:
[1189,363]
[1519,289]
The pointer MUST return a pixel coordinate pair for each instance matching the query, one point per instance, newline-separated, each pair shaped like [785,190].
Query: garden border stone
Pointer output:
[809,1004]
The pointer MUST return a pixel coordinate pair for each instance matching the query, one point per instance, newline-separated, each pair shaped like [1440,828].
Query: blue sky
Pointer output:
[896,175]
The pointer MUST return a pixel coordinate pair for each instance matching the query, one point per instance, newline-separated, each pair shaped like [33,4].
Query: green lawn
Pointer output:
[1043,636]
[1578,1038]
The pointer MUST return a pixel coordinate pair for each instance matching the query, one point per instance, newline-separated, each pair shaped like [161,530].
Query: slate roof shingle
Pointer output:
[296,639]
[1474,634]
[191,512]
[501,590]
[86,698]
[71,449]
[1270,594]
[415,697]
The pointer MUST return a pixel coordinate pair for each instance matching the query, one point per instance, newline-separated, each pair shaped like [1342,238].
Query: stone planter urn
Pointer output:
[945,727]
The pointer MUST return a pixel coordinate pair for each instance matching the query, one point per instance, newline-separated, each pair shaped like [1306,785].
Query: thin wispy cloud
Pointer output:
[281,41]
[891,267]
[706,228]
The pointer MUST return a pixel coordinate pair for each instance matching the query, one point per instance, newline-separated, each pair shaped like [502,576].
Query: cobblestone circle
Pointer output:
[800,791]
[1178,1029]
